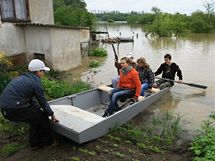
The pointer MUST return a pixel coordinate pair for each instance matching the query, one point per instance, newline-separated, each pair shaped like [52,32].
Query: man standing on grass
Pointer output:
[23,100]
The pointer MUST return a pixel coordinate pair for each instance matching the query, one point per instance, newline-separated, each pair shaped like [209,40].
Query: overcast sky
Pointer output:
[171,6]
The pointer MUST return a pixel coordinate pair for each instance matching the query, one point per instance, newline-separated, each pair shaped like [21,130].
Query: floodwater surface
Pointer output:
[194,54]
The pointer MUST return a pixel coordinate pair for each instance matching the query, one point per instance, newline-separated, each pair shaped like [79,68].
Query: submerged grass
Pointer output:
[159,133]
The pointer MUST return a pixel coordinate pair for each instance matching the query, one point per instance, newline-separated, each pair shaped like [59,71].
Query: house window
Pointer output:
[14,10]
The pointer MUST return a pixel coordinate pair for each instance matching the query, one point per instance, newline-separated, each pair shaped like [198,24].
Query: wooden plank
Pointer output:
[105,88]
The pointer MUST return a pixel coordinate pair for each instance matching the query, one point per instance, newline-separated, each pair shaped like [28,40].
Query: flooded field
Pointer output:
[194,54]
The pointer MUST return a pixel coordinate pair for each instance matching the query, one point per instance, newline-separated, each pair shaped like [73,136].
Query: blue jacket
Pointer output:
[25,90]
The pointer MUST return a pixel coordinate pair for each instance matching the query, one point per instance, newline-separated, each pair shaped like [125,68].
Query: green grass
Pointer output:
[11,128]
[147,137]
[10,149]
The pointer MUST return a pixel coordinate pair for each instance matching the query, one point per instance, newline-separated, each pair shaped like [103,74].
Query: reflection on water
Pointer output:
[194,54]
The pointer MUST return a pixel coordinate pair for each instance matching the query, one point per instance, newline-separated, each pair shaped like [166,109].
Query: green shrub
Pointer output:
[94,64]
[203,146]
[56,89]
[4,80]
[100,52]
[11,149]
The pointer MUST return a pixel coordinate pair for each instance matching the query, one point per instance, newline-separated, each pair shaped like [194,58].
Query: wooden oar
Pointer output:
[189,84]
[115,55]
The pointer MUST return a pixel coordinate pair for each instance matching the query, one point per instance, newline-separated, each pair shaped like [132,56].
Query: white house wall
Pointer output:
[65,48]
[41,11]
[12,40]
[38,41]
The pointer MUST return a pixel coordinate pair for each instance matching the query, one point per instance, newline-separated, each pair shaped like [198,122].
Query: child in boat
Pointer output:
[168,70]
[146,75]
[129,86]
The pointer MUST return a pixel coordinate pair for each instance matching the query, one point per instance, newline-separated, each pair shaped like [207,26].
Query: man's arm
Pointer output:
[159,70]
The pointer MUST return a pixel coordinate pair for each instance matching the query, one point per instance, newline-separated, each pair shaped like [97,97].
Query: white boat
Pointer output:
[81,118]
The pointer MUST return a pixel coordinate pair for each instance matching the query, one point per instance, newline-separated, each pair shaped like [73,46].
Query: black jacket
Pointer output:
[25,90]
[169,71]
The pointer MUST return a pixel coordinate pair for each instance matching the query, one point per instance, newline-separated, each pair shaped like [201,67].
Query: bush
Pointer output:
[100,52]
[94,64]
[55,89]
[203,146]
[4,80]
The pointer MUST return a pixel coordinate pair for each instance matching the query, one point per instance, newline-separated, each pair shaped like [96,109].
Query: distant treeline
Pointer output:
[166,24]
[72,13]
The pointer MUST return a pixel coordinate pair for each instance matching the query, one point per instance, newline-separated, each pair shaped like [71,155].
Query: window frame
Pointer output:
[15,19]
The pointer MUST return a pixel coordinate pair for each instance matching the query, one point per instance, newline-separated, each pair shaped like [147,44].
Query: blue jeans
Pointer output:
[144,87]
[115,81]
[116,94]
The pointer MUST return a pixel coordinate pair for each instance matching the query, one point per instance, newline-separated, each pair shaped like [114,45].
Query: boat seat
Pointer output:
[75,118]
[105,88]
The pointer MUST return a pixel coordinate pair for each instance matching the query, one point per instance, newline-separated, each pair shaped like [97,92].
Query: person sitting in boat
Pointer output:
[115,79]
[146,75]
[168,70]
[129,86]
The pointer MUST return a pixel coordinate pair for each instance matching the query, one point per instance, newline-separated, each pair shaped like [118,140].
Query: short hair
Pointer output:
[168,56]
[127,60]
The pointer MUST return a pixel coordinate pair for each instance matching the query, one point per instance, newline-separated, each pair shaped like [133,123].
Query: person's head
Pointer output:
[141,62]
[38,67]
[125,62]
[167,59]
[130,56]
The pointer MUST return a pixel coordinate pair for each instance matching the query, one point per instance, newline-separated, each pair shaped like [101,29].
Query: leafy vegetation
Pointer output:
[10,149]
[203,146]
[158,23]
[11,128]
[55,89]
[5,64]
[99,52]
[94,64]
[160,133]
[72,13]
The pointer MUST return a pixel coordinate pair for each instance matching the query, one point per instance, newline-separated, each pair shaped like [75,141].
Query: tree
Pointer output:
[72,13]
[155,10]
[199,23]
[210,10]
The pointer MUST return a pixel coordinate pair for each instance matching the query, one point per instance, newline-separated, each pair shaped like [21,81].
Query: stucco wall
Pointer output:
[41,11]
[65,48]
[12,40]
[84,35]
[38,41]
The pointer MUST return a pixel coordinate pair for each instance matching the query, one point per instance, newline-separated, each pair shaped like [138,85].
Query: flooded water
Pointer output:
[194,54]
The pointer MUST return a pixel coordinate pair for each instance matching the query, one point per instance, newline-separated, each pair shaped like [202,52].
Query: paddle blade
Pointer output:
[196,85]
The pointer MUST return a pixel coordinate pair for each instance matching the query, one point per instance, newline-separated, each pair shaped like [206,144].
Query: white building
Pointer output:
[27,31]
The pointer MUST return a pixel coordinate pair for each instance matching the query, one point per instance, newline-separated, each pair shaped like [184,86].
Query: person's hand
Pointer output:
[54,119]
[135,98]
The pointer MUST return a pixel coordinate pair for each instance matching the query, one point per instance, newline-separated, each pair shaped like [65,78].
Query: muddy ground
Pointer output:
[102,149]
